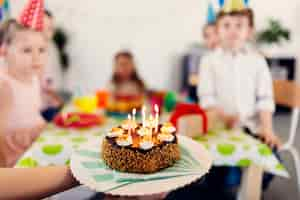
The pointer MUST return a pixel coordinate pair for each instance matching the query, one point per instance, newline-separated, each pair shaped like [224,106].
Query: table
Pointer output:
[236,148]
[228,148]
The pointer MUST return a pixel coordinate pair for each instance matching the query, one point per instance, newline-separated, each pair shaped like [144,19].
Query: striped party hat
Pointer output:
[33,15]
[234,5]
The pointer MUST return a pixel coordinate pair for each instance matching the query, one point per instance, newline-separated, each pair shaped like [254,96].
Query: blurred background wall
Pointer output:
[158,33]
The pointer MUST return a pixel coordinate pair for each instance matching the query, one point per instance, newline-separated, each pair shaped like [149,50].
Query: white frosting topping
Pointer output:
[144,131]
[165,137]
[145,145]
[129,125]
[151,123]
[168,128]
[115,133]
[124,141]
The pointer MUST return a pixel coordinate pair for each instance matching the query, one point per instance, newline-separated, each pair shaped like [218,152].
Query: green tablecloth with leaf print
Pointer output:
[228,148]
[236,148]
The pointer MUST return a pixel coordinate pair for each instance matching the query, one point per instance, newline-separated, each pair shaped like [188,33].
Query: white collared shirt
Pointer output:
[240,83]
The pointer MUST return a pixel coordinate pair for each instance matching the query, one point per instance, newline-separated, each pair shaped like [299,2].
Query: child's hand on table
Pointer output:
[24,137]
[270,138]
[44,182]
[230,121]
[266,132]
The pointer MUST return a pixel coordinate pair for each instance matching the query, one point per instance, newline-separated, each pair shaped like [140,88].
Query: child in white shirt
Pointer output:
[235,79]
[236,84]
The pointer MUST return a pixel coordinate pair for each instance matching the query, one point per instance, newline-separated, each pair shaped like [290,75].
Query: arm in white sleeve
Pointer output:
[264,90]
[206,85]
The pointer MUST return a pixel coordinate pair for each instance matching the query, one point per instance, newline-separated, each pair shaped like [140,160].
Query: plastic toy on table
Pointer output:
[120,106]
[185,109]
[86,104]
[78,120]
[102,97]
[164,99]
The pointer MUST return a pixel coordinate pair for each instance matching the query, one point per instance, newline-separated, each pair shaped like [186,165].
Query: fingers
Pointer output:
[23,138]
[232,121]
[271,140]
[268,139]
[277,142]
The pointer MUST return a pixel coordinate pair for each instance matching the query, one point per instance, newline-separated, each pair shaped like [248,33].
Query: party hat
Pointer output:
[33,15]
[1,14]
[234,5]
[4,9]
[211,15]
[221,3]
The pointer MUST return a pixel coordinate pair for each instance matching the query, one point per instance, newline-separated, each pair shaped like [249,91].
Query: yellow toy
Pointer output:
[86,104]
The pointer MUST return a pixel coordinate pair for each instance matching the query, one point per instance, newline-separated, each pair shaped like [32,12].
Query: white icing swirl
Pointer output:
[168,129]
[123,142]
[151,123]
[115,133]
[144,132]
[164,137]
[146,145]
[129,125]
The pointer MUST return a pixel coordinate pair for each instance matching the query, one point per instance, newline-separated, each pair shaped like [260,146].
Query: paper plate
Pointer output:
[90,170]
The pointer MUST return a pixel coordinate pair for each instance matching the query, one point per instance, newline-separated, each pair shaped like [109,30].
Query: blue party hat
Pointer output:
[211,15]
[221,3]
[4,10]
[1,14]
[246,2]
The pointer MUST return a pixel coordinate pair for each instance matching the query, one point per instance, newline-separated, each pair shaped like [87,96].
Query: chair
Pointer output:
[191,121]
[287,93]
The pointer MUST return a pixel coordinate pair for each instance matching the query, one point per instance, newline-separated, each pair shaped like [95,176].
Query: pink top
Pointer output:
[24,115]
[26,105]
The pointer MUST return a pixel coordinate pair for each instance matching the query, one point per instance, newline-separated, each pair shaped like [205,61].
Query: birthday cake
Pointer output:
[124,104]
[141,148]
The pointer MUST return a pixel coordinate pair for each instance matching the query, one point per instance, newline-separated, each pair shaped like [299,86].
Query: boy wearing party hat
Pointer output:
[235,79]
[51,80]
[196,52]
[236,82]
[209,32]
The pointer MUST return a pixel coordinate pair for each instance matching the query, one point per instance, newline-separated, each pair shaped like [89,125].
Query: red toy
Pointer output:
[183,109]
[78,120]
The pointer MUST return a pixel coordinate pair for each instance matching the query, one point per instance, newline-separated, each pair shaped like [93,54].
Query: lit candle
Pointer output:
[129,124]
[156,109]
[151,125]
[144,116]
[133,114]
